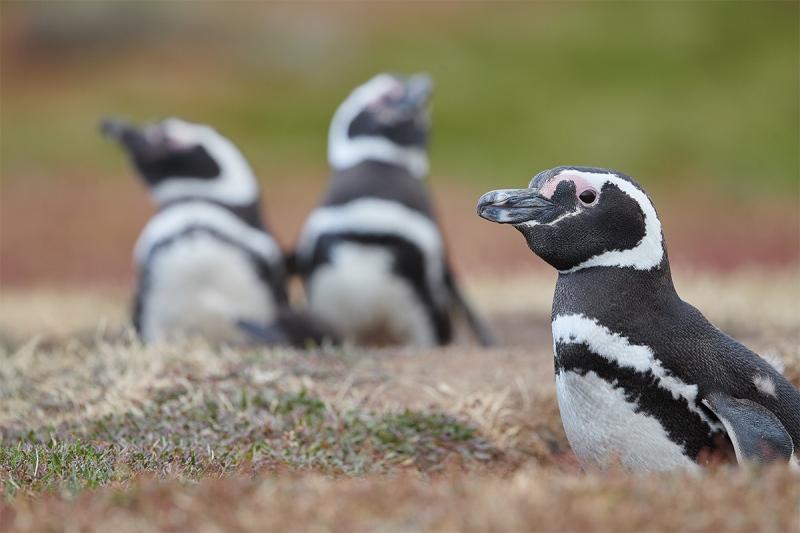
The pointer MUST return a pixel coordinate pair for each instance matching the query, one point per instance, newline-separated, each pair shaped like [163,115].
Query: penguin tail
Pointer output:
[299,329]
[291,264]
[479,327]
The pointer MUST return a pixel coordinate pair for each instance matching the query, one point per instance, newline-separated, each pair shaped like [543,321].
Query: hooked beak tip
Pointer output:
[490,205]
[113,128]
[513,206]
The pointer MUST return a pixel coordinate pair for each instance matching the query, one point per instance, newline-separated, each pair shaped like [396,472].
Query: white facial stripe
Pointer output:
[236,184]
[344,152]
[528,224]
[374,216]
[532,223]
[578,329]
[187,133]
[180,217]
[649,252]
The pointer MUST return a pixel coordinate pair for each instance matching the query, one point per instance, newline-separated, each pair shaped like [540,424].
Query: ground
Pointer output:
[698,101]
[98,431]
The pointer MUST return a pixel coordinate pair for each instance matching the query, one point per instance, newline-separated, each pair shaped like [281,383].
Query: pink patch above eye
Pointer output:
[549,188]
[394,92]
[153,134]
[176,144]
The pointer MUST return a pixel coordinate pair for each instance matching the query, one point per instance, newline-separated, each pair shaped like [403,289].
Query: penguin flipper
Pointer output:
[271,335]
[479,327]
[292,328]
[757,434]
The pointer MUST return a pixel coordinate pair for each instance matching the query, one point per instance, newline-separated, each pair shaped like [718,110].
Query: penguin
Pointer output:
[643,379]
[372,255]
[208,266]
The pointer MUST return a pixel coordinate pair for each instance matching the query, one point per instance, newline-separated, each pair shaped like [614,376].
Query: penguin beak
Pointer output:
[144,145]
[114,128]
[417,91]
[419,88]
[515,206]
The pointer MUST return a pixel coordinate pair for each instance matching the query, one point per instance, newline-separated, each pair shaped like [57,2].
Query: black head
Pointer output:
[385,119]
[398,114]
[179,159]
[158,155]
[579,217]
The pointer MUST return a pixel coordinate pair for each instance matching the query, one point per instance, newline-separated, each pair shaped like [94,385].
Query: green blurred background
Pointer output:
[698,101]
[663,90]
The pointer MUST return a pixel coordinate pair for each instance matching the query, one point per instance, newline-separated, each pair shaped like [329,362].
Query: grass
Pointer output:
[528,500]
[264,433]
[129,409]
[98,431]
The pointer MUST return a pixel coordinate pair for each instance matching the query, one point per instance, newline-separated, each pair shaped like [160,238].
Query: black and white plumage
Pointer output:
[372,254]
[207,264]
[641,376]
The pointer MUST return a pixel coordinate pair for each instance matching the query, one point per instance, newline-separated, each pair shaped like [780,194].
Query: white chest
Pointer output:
[373,216]
[359,294]
[200,285]
[602,423]
[603,427]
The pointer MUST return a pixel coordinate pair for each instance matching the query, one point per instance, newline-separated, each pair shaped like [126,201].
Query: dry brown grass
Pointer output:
[67,358]
[532,499]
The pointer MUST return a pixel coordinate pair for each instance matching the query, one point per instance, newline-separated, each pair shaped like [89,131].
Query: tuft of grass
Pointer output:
[65,466]
[188,438]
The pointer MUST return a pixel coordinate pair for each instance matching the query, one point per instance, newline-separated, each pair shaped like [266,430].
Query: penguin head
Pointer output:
[182,160]
[580,217]
[385,119]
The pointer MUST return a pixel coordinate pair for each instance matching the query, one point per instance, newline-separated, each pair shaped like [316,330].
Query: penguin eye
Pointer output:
[588,196]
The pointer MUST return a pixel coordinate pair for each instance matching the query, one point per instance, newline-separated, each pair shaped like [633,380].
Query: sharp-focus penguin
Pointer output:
[207,264]
[641,376]
[372,254]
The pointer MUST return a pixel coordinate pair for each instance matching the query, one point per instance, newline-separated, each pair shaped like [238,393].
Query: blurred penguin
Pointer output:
[207,264]
[372,254]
